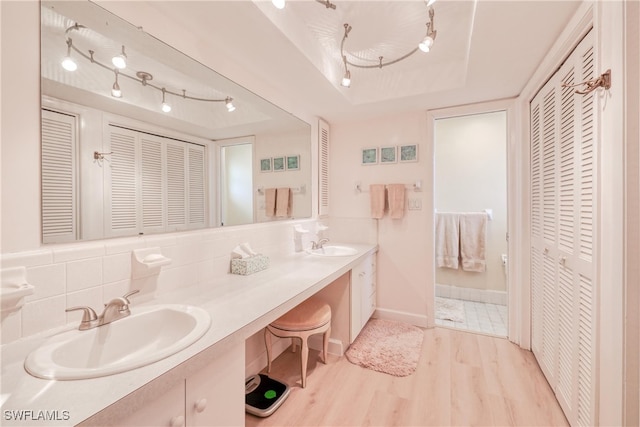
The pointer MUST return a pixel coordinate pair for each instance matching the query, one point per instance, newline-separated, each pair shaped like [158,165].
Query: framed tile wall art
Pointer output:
[388,155]
[265,165]
[278,164]
[409,153]
[370,156]
[293,163]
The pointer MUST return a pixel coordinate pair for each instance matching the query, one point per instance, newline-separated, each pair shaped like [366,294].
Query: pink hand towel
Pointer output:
[283,202]
[270,202]
[377,200]
[473,236]
[395,194]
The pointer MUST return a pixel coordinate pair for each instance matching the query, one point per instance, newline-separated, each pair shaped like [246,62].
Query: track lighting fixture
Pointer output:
[165,107]
[119,62]
[229,103]
[115,90]
[425,46]
[346,80]
[68,63]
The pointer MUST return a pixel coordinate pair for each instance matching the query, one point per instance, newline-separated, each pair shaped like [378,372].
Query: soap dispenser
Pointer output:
[298,232]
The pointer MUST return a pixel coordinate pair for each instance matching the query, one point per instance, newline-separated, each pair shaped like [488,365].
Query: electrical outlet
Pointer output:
[415,204]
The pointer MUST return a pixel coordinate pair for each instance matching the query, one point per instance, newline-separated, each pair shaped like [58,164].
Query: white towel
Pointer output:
[447,240]
[473,237]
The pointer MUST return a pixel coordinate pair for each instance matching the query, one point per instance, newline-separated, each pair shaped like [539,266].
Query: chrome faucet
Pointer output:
[318,245]
[115,309]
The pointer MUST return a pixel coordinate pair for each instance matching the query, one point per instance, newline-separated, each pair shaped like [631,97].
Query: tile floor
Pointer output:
[481,317]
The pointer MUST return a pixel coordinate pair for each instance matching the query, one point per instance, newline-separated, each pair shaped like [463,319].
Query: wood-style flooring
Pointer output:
[462,379]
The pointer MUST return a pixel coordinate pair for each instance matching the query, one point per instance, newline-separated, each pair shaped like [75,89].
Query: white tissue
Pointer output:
[238,253]
[247,248]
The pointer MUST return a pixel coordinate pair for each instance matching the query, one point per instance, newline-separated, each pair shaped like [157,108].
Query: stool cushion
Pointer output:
[309,314]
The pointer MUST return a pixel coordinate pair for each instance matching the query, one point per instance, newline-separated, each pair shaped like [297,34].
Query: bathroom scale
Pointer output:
[263,395]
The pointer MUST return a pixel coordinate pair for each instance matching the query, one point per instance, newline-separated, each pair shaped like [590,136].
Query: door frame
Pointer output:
[517,295]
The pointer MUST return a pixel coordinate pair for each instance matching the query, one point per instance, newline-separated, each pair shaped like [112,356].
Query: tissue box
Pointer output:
[246,266]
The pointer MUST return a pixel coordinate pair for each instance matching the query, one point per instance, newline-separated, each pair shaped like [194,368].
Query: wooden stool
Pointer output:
[308,318]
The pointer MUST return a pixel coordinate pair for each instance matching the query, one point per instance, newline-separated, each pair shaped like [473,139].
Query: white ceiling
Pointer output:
[484,50]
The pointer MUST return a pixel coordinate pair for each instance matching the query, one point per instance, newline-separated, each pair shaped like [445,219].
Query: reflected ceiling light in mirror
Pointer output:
[68,63]
[142,77]
[120,61]
[165,106]
[229,104]
[425,46]
[115,90]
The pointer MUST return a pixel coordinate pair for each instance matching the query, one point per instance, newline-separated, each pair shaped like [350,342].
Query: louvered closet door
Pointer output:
[562,218]
[58,151]
[122,183]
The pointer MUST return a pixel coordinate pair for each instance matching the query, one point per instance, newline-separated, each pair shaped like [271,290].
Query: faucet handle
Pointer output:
[128,294]
[89,316]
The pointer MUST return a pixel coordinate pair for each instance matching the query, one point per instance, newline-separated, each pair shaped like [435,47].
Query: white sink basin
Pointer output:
[333,250]
[149,334]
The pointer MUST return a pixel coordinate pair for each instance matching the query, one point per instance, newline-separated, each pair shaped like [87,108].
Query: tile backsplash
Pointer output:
[91,273]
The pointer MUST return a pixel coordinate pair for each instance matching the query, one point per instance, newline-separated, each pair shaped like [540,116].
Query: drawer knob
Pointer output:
[201,405]
[177,421]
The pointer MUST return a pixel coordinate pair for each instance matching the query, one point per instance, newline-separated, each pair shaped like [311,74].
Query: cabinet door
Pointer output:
[363,294]
[167,410]
[215,394]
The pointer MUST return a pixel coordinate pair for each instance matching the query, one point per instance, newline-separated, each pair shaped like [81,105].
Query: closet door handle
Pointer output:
[563,260]
[546,251]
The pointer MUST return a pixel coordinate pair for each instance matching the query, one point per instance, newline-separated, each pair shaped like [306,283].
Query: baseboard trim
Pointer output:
[401,316]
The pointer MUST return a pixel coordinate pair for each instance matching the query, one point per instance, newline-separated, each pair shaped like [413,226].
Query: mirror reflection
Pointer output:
[138,138]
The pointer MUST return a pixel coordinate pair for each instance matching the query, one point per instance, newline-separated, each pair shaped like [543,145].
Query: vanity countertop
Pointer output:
[239,307]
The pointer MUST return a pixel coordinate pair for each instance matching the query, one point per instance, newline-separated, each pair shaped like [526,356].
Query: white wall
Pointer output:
[471,175]
[405,284]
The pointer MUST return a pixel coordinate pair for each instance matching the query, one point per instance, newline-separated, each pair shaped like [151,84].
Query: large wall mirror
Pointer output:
[163,144]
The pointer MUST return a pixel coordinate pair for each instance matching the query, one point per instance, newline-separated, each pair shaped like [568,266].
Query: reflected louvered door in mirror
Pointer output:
[153,184]
[59,177]
[563,183]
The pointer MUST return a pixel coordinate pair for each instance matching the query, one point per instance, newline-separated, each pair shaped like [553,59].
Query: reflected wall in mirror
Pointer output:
[151,147]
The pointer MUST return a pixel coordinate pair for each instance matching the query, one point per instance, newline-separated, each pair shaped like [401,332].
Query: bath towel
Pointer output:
[395,194]
[377,200]
[473,236]
[270,202]
[447,240]
[283,202]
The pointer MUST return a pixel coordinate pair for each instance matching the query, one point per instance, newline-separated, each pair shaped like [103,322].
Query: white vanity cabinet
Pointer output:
[210,396]
[363,294]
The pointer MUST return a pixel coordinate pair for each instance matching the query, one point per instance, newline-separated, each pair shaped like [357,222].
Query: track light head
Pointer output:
[346,80]
[229,103]
[120,61]
[279,4]
[115,90]
[165,106]
[68,63]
